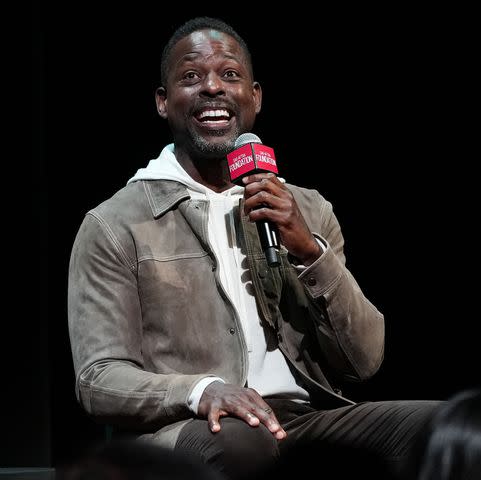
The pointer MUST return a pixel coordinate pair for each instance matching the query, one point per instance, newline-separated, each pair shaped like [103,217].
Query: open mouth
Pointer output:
[216,117]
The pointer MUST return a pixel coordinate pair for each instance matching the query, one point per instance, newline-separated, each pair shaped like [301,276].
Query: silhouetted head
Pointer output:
[450,448]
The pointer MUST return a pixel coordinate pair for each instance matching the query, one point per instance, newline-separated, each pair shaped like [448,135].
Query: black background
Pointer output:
[374,107]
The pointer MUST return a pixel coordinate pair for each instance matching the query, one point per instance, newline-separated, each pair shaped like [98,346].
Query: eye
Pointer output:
[190,75]
[231,74]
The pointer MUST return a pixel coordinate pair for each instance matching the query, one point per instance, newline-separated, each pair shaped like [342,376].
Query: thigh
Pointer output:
[387,428]
[237,450]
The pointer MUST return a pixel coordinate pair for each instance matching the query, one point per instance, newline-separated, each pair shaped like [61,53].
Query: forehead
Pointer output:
[204,44]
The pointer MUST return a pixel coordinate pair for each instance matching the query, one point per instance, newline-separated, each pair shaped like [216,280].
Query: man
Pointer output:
[181,332]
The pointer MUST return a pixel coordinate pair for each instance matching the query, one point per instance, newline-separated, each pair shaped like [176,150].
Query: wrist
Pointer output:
[313,254]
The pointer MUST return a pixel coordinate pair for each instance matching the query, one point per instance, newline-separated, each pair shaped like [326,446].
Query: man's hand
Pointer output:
[223,399]
[267,198]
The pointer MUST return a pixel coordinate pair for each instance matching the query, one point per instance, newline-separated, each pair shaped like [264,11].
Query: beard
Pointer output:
[205,147]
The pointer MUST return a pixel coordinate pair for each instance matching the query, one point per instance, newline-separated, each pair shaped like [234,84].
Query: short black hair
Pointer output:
[194,25]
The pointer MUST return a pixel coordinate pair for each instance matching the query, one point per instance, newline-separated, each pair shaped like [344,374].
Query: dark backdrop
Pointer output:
[371,107]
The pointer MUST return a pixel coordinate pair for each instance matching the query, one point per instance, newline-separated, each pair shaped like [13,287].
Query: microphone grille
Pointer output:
[246,138]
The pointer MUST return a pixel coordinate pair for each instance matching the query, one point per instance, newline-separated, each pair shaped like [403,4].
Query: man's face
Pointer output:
[210,96]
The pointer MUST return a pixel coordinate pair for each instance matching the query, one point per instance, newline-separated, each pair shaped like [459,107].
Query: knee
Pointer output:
[238,450]
[244,451]
[240,438]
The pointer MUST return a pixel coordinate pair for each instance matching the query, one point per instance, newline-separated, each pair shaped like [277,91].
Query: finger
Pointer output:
[257,177]
[248,417]
[265,184]
[264,193]
[269,419]
[262,211]
[262,197]
[213,420]
[264,200]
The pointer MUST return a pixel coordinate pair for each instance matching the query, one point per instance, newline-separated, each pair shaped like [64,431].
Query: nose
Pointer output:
[212,85]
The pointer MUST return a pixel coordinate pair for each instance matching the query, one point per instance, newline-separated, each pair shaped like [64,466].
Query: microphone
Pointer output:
[251,156]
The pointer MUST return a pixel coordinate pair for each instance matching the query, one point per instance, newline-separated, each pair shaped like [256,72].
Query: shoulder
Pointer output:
[121,203]
[309,199]
[114,217]
[110,225]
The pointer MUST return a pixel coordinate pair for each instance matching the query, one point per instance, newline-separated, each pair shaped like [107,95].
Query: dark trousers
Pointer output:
[373,437]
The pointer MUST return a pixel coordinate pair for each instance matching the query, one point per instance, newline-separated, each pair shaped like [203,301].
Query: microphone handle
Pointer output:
[269,242]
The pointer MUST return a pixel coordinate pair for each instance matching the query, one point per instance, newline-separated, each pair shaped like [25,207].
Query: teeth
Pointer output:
[214,113]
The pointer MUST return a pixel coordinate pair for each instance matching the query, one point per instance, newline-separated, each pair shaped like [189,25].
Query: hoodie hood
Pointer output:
[166,167]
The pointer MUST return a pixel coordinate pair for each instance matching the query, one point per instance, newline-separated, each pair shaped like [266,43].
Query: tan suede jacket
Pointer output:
[148,317]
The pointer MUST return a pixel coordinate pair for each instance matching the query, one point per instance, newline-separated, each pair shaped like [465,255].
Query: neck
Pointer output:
[211,172]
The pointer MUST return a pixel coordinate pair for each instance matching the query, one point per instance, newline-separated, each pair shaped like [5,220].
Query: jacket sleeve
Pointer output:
[105,328]
[349,327]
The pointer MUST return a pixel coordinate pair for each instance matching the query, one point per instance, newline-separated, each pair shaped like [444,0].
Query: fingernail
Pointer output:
[274,427]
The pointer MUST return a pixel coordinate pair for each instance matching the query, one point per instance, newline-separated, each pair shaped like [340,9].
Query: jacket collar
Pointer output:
[163,195]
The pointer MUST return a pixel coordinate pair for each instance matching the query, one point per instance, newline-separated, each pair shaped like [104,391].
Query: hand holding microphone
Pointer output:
[248,158]
[270,203]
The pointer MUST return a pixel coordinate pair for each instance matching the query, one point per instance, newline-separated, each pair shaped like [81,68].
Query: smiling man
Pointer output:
[209,96]
[180,331]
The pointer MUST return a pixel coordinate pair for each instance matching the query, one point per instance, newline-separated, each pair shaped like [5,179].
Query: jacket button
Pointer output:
[279,337]
[232,330]
[311,281]
[262,273]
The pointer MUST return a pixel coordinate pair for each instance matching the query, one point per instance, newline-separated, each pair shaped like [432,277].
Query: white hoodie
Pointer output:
[268,371]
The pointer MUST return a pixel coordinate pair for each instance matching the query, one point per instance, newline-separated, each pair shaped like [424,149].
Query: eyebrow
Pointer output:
[192,56]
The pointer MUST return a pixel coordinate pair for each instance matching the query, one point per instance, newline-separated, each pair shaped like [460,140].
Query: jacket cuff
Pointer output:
[198,390]
[319,277]
[181,388]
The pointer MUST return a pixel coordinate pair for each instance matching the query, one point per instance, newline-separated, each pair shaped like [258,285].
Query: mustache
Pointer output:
[214,105]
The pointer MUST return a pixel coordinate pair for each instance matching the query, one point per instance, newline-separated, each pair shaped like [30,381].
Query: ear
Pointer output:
[257,93]
[161,101]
